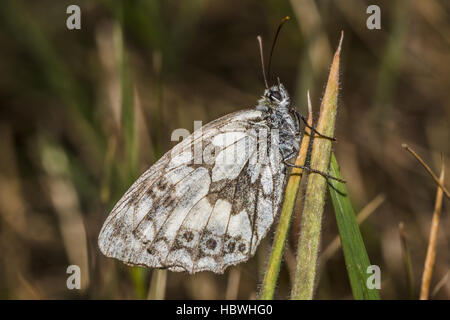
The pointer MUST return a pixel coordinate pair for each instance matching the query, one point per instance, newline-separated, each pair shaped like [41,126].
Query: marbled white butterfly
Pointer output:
[208,202]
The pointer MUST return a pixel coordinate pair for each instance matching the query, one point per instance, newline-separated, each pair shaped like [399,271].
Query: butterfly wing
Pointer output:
[189,215]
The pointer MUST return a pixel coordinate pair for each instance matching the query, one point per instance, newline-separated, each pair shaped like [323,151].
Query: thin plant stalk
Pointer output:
[234,278]
[428,169]
[440,284]
[276,256]
[431,251]
[157,289]
[407,259]
[311,225]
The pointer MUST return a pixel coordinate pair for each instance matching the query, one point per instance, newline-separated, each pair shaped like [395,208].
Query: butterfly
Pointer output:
[207,203]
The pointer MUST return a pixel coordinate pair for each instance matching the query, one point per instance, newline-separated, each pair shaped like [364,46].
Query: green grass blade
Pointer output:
[311,223]
[356,258]
[281,234]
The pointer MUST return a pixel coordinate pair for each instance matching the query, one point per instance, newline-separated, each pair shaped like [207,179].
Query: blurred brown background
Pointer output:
[84,112]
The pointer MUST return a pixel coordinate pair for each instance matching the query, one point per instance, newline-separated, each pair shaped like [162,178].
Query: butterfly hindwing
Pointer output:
[191,213]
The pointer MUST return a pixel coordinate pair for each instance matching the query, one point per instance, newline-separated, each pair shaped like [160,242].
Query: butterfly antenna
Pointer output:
[262,61]
[275,41]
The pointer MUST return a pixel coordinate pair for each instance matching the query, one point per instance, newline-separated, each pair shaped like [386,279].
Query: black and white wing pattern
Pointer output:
[191,213]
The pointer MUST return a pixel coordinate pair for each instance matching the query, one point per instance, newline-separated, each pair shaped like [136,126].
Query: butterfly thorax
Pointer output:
[280,116]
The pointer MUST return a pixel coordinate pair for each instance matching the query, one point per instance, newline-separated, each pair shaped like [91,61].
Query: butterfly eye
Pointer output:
[276,95]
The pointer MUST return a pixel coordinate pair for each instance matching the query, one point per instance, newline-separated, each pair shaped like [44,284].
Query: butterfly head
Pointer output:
[274,97]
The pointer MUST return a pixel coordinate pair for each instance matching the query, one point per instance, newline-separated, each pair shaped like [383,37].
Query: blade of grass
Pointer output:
[128,126]
[317,50]
[234,278]
[356,258]
[334,245]
[440,284]
[311,223]
[390,64]
[157,289]
[138,276]
[128,122]
[431,251]
[273,268]
[407,259]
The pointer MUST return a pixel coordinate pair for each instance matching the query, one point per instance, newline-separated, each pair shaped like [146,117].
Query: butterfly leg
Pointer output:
[323,174]
[298,115]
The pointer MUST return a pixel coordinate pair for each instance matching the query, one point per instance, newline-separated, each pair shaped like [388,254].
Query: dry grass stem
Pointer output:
[431,251]
[427,167]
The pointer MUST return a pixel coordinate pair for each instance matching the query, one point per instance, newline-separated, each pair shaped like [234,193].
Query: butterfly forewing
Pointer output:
[194,211]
